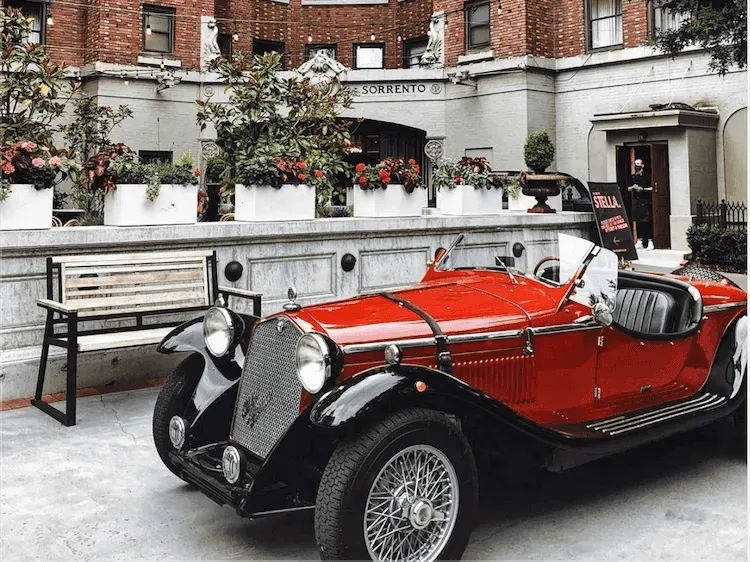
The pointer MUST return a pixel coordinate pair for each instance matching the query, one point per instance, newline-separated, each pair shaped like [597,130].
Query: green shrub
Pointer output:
[713,246]
[538,151]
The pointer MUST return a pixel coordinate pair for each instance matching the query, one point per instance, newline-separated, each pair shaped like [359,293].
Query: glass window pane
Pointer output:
[369,57]
[158,23]
[35,11]
[479,35]
[604,8]
[158,42]
[480,14]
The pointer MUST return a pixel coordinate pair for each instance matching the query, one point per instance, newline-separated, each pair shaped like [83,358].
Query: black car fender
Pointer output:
[219,376]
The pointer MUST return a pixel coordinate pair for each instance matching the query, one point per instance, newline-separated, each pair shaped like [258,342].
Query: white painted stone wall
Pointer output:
[390,253]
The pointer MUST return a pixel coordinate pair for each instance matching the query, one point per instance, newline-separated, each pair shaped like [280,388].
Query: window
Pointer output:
[225,45]
[261,47]
[367,146]
[158,29]
[413,51]
[155,156]
[369,55]
[477,18]
[664,20]
[312,50]
[37,12]
[605,23]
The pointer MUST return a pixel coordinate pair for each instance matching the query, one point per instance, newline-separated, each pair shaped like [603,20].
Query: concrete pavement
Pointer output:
[97,491]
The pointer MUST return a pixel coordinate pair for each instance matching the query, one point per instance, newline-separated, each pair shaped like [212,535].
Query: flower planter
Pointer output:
[257,203]
[390,202]
[542,186]
[26,208]
[465,200]
[526,202]
[128,205]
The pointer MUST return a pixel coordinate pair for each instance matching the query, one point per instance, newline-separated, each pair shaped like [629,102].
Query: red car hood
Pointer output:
[457,307]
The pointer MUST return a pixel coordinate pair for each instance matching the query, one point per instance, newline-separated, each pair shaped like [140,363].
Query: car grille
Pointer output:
[269,394]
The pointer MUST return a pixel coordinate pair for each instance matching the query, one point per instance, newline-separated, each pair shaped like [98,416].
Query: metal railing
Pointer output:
[726,215]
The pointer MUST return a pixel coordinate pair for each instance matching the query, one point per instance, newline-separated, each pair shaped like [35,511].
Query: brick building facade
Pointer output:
[580,69]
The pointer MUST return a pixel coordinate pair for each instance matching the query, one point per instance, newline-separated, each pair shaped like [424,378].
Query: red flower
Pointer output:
[386,179]
[359,168]
[458,179]
[301,177]
[318,173]
[301,165]
[383,173]
[197,171]
[8,168]
[416,169]
[362,180]
[412,161]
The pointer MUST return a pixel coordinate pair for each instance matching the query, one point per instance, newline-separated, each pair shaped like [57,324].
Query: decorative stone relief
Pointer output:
[210,150]
[433,56]
[434,149]
[209,41]
[323,72]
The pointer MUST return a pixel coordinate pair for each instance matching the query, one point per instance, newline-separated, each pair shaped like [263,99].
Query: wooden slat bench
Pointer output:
[125,286]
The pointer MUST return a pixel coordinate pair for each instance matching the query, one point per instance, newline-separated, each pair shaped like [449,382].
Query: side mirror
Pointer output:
[603,314]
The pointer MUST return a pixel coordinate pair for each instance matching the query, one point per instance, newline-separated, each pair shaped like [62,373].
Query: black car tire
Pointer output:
[354,465]
[172,401]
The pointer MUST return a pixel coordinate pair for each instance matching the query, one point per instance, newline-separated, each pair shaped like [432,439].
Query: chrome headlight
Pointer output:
[218,330]
[313,362]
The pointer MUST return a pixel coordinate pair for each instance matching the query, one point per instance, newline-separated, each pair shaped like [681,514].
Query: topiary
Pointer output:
[538,151]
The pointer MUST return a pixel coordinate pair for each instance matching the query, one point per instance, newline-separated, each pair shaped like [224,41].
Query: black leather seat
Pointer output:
[646,311]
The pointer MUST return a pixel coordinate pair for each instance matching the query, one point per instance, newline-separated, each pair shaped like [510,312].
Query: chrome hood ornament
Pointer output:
[291,294]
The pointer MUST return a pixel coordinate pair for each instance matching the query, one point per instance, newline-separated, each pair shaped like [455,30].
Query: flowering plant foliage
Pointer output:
[389,171]
[467,171]
[117,164]
[28,162]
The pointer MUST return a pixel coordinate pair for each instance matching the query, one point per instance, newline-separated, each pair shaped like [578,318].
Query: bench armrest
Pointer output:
[56,306]
[252,295]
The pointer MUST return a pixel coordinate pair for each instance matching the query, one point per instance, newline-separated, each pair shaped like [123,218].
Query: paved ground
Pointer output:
[98,492]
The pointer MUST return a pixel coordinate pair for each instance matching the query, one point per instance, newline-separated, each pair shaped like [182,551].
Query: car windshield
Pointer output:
[465,253]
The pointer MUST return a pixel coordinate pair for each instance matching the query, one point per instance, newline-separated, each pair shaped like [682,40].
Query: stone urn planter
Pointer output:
[26,208]
[541,187]
[393,201]
[465,200]
[263,203]
[128,205]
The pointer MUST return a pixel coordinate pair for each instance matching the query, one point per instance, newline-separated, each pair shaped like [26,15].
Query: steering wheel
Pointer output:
[542,261]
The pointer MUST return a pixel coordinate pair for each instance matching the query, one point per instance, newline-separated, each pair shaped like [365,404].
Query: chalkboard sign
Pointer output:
[612,220]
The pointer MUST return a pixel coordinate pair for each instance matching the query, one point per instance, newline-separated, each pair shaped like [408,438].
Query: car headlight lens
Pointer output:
[218,330]
[313,362]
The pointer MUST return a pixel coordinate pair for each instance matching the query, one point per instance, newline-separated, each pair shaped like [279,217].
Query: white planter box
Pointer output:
[264,203]
[128,205]
[26,208]
[465,200]
[526,202]
[390,202]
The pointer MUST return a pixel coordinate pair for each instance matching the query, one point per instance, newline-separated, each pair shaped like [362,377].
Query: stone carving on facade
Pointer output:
[323,72]
[433,57]
[434,149]
[209,41]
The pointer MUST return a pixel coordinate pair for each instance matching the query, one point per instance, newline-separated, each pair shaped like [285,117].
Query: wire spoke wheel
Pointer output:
[412,506]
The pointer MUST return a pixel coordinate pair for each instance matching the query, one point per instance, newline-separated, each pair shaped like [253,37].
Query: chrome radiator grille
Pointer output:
[269,393]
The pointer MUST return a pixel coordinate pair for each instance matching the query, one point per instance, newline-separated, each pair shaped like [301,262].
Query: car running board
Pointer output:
[624,424]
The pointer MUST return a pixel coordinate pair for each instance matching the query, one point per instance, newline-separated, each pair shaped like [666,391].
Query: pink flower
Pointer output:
[45,149]
[23,144]
[30,146]
[8,168]
[38,162]
[55,161]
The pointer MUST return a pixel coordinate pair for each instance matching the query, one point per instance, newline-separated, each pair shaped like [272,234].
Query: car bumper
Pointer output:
[242,496]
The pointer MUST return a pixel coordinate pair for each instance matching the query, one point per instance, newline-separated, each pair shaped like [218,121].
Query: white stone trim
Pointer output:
[476,57]
[156,61]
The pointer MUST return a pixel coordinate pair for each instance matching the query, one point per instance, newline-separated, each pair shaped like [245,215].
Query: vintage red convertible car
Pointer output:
[372,410]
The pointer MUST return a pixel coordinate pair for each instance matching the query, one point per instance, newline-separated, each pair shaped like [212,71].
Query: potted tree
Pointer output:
[29,173]
[137,194]
[468,188]
[538,153]
[391,188]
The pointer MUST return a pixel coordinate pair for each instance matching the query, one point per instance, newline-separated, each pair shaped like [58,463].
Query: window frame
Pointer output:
[468,25]
[226,39]
[156,156]
[369,44]
[590,29]
[281,52]
[155,10]
[43,6]
[652,29]
[309,47]
[408,43]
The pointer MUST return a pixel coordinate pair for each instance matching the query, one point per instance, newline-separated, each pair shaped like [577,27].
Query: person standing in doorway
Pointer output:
[641,191]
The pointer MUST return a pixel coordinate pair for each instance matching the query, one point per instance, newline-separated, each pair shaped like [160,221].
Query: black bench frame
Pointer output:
[58,314]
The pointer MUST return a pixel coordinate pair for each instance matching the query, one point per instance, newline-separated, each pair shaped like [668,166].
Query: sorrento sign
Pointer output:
[406,89]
